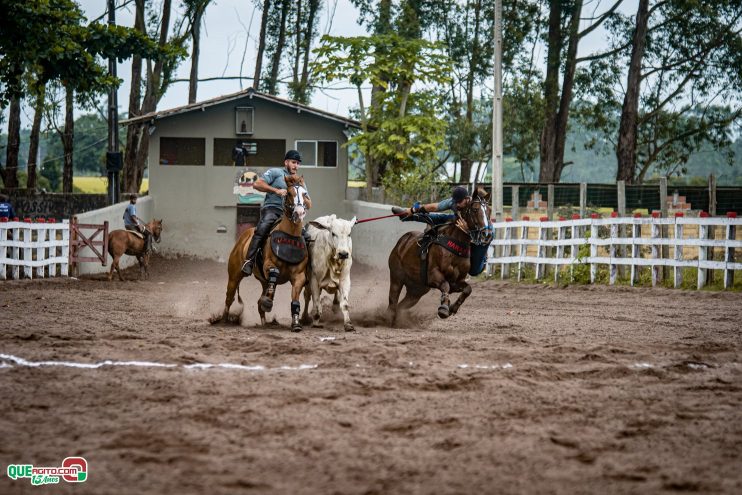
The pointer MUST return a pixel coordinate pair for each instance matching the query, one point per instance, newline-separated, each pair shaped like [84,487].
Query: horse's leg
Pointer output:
[261,311]
[437,279]
[145,257]
[232,286]
[114,262]
[266,300]
[296,285]
[395,288]
[140,259]
[411,298]
[466,291]
[118,268]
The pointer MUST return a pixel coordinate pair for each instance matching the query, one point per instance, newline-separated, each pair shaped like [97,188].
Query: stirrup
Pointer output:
[247,267]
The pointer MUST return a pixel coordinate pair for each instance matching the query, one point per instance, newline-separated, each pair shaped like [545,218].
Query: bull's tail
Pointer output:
[239,299]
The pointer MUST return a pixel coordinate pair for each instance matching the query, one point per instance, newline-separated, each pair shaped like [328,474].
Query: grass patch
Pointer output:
[99,185]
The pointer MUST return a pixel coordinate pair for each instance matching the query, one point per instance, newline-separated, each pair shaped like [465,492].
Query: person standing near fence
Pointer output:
[6,209]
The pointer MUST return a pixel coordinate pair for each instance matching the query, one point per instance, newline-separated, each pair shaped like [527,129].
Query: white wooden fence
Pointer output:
[34,250]
[615,242]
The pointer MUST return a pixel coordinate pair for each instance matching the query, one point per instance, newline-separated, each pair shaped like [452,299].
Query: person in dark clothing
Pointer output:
[272,183]
[6,209]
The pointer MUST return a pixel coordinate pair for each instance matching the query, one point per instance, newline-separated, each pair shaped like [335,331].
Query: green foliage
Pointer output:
[50,39]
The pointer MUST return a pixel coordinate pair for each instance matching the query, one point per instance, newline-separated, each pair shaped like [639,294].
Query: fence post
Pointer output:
[550,201]
[621,194]
[3,250]
[506,251]
[41,235]
[583,199]
[541,249]
[64,269]
[613,269]
[561,235]
[576,237]
[702,250]
[729,252]
[593,247]
[523,248]
[15,254]
[664,230]
[27,256]
[711,229]
[515,210]
[656,251]
[678,252]
[636,233]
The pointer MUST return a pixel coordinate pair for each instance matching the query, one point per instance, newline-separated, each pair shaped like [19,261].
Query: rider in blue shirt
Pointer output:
[6,209]
[429,213]
[272,183]
[134,223]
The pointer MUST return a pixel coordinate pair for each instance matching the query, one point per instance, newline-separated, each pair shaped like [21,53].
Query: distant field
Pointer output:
[99,185]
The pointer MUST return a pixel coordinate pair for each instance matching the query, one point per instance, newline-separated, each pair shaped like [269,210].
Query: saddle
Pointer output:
[288,248]
[432,236]
[136,233]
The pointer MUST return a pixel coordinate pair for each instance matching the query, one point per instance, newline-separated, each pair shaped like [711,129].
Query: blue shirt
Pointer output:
[447,204]
[274,177]
[129,213]
[6,210]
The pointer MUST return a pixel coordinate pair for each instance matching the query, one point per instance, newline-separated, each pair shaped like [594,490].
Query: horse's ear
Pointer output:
[483,194]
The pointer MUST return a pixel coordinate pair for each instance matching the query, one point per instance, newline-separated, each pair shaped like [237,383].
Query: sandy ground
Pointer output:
[530,389]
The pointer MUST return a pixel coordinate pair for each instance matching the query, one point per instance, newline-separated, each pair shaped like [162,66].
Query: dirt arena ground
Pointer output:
[531,389]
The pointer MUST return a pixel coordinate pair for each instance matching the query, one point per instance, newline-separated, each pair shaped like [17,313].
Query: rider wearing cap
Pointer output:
[272,183]
[428,213]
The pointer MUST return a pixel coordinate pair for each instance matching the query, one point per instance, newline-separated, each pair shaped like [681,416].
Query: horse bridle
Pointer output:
[298,200]
[481,236]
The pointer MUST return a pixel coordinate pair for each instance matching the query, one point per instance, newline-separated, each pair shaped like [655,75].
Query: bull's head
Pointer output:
[342,244]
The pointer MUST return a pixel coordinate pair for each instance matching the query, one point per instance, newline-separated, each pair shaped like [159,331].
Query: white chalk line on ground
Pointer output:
[17,361]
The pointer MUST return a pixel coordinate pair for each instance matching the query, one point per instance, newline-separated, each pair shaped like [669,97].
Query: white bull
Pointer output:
[330,259]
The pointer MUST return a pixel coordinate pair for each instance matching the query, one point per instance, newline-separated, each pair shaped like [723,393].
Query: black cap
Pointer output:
[459,193]
[293,155]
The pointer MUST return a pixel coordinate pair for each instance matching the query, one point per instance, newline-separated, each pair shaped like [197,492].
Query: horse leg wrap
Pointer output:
[273,274]
[295,322]
[443,310]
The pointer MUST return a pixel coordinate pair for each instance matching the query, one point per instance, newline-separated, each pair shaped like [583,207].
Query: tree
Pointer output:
[33,147]
[304,33]
[10,173]
[405,130]
[195,10]
[261,44]
[159,77]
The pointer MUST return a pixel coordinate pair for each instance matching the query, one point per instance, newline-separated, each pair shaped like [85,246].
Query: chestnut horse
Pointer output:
[446,263]
[121,242]
[274,270]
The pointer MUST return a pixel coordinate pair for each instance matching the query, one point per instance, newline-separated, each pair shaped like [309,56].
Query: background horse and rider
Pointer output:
[284,256]
[121,242]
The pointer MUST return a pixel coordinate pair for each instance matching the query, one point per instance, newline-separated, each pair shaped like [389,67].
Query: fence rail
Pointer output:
[34,250]
[616,242]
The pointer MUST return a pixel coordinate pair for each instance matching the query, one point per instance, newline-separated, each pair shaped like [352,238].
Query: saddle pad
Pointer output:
[138,234]
[288,248]
[454,246]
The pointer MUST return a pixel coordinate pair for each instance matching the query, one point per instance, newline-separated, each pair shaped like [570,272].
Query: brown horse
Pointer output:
[447,261]
[275,270]
[121,242]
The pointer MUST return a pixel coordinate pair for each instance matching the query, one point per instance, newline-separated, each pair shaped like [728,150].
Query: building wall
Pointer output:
[197,201]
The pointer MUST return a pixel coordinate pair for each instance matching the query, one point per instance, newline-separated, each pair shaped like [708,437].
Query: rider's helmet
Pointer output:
[293,155]
[459,193]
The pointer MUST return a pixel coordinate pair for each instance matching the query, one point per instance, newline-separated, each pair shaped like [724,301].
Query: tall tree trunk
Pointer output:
[272,83]
[308,36]
[134,132]
[33,146]
[134,172]
[196,37]
[551,93]
[567,86]
[10,176]
[627,131]
[68,137]
[474,55]
[261,44]
[297,53]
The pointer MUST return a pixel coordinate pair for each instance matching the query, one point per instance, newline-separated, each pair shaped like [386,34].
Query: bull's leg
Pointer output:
[266,300]
[460,300]
[344,293]
[296,286]
[316,302]
[336,302]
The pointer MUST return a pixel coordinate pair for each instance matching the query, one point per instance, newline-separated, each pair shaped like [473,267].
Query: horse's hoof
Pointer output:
[266,304]
[349,327]
[296,328]
[443,311]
